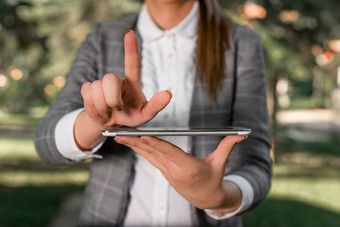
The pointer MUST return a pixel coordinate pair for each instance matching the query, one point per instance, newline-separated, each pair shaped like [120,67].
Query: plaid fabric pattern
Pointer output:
[107,191]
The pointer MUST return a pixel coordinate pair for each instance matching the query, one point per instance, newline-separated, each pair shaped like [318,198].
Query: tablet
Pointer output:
[175,131]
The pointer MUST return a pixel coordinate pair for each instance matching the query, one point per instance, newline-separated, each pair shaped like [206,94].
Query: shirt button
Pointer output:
[166,116]
[161,209]
[170,55]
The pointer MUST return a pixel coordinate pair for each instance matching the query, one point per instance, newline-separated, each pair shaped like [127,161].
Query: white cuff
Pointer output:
[247,196]
[64,139]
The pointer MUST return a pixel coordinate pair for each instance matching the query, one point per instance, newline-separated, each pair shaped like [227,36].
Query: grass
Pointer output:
[17,149]
[32,205]
[18,119]
[30,192]
[32,118]
[286,212]
[300,196]
[21,166]
[305,187]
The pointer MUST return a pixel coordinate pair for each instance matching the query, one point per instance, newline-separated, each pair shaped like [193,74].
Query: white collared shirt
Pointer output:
[167,64]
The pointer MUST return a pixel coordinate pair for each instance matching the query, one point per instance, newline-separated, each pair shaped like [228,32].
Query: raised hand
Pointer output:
[200,181]
[114,101]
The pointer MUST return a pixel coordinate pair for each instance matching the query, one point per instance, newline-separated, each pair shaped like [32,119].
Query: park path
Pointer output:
[22,131]
[310,125]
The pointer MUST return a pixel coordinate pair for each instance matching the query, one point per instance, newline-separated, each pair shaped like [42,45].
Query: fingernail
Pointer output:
[130,31]
[169,92]
[244,137]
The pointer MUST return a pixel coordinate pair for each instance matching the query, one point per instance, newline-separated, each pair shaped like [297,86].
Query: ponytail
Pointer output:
[212,43]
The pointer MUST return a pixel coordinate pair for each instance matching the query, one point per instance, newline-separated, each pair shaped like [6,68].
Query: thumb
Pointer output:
[222,152]
[158,102]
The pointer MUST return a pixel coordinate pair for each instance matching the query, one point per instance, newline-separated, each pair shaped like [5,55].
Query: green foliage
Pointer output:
[17,38]
[30,192]
[302,194]
[294,35]
[305,185]
[32,205]
[40,38]
[277,212]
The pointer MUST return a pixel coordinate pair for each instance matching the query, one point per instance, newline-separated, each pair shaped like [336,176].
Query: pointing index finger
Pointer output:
[132,62]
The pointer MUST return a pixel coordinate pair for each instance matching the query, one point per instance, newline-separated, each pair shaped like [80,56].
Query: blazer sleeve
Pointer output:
[84,69]
[251,158]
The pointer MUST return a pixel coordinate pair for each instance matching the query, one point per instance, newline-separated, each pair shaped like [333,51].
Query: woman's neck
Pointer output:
[168,13]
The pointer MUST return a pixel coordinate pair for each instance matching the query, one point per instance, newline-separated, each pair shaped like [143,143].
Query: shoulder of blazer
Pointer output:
[241,34]
[116,29]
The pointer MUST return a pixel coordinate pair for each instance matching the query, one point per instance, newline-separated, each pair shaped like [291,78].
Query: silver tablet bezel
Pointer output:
[175,131]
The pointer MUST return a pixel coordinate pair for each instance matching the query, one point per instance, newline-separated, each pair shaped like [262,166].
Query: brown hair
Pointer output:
[212,43]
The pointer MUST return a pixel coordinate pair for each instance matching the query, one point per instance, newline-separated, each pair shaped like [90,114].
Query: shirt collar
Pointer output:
[149,31]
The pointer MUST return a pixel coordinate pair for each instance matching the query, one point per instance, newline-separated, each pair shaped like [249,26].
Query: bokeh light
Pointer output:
[334,45]
[59,81]
[289,16]
[252,10]
[16,74]
[49,89]
[3,80]
[324,58]
[316,50]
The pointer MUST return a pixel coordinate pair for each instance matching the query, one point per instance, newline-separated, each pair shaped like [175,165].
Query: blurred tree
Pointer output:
[17,40]
[38,40]
[295,36]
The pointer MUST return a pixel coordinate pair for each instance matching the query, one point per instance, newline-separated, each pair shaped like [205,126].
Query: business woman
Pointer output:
[177,63]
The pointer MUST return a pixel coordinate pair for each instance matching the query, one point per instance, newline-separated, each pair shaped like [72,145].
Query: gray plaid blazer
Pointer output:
[241,101]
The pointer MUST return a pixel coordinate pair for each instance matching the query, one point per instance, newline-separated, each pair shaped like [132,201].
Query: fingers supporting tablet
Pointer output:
[164,152]
[197,180]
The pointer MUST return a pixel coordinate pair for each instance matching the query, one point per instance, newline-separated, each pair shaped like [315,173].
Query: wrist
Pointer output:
[87,132]
[229,198]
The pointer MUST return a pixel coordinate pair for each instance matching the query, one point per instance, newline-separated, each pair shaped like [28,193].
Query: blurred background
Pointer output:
[301,40]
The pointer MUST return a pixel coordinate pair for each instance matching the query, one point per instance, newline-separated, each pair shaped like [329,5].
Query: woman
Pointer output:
[210,72]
